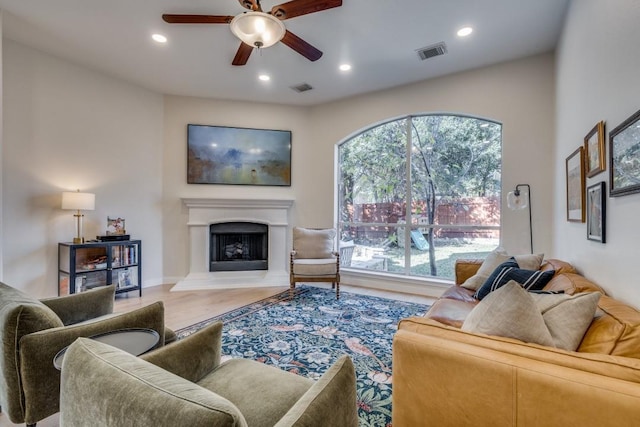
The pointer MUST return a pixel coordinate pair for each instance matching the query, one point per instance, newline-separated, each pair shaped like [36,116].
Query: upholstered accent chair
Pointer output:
[313,258]
[185,384]
[33,331]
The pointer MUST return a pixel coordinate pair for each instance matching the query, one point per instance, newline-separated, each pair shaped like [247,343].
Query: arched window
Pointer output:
[417,193]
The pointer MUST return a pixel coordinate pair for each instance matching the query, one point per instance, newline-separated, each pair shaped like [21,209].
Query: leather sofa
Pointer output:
[443,376]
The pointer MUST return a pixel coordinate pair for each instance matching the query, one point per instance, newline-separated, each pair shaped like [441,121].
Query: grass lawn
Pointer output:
[446,253]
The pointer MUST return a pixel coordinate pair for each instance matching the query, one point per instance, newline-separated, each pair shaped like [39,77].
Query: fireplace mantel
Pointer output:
[202,212]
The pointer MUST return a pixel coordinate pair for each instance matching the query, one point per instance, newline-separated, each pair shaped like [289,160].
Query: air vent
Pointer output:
[303,87]
[431,51]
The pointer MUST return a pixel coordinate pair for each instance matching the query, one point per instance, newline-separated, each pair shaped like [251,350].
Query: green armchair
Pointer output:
[186,385]
[33,331]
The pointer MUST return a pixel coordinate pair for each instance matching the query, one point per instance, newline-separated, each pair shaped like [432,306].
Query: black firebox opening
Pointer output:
[239,246]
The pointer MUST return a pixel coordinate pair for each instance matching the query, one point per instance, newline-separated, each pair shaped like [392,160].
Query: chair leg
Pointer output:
[292,287]
[337,290]
[31,425]
[333,285]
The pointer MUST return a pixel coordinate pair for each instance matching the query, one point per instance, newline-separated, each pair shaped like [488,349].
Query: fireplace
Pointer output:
[239,246]
[204,216]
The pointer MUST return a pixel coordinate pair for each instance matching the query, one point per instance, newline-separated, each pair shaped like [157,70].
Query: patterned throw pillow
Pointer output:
[528,279]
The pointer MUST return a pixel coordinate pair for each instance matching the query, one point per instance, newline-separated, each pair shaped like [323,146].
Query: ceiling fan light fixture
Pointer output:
[257,29]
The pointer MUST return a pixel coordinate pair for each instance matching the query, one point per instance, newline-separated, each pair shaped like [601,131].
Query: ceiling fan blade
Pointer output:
[242,55]
[251,5]
[295,8]
[197,19]
[301,46]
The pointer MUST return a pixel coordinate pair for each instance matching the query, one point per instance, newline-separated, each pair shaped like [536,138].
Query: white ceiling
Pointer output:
[378,37]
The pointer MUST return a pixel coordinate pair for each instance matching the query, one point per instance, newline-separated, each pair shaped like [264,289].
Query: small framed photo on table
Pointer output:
[596,212]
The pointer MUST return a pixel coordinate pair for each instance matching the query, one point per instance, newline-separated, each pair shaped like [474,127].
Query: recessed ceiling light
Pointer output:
[345,67]
[264,77]
[464,32]
[159,38]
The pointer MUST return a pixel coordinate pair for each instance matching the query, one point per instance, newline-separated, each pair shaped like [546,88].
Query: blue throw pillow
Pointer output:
[530,280]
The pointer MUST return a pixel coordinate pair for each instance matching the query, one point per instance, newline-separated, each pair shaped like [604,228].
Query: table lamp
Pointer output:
[78,201]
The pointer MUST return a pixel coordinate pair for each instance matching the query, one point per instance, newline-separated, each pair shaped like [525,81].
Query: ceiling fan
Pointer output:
[259,29]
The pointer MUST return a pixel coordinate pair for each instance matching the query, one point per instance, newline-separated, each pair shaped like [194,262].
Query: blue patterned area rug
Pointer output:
[307,333]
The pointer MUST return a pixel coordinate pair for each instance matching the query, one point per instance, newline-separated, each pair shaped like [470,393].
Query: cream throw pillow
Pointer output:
[567,316]
[310,243]
[529,261]
[494,259]
[509,312]
[555,320]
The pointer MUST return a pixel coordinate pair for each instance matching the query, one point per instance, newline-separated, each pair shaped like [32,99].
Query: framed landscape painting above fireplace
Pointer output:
[238,156]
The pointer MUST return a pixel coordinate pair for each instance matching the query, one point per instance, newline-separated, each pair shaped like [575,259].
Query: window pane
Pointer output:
[454,189]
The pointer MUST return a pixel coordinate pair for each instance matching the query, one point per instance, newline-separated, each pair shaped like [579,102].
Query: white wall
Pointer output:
[181,111]
[519,94]
[597,75]
[66,127]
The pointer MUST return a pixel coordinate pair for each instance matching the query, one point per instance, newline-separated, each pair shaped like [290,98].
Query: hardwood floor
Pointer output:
[186,308]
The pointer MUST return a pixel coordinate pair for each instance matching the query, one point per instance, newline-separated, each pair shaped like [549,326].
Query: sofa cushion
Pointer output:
[571,283]
[509,312]
[614,331]
[528,279]
[310,243]
[450,311]
[567,317]
[558,266]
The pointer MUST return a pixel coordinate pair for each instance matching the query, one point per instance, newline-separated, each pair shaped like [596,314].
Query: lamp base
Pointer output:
[78,240]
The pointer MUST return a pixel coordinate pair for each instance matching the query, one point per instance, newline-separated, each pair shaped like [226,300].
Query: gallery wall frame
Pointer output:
[238,156]
[575,176]
[594,150]
[624,157]
[596,212]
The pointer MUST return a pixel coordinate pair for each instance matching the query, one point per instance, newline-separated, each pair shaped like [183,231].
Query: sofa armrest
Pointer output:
[40,380]
[456,377]
[192,357]
[331,401]
[465,268]
[83,306]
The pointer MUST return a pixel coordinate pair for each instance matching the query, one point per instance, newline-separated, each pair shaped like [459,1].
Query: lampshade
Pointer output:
[78,201]
[257,29]
[518,199]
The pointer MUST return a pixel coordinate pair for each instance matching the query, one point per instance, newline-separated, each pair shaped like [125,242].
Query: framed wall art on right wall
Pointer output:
[596,212]
[624,157]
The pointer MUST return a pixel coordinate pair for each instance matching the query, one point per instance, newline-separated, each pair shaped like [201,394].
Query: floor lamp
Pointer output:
[521,199]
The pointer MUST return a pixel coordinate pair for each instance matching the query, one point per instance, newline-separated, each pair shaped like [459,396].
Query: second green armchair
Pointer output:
[33,331]
[186,385]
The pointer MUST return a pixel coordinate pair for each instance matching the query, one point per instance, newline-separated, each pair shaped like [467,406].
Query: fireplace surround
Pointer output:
[202,213]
